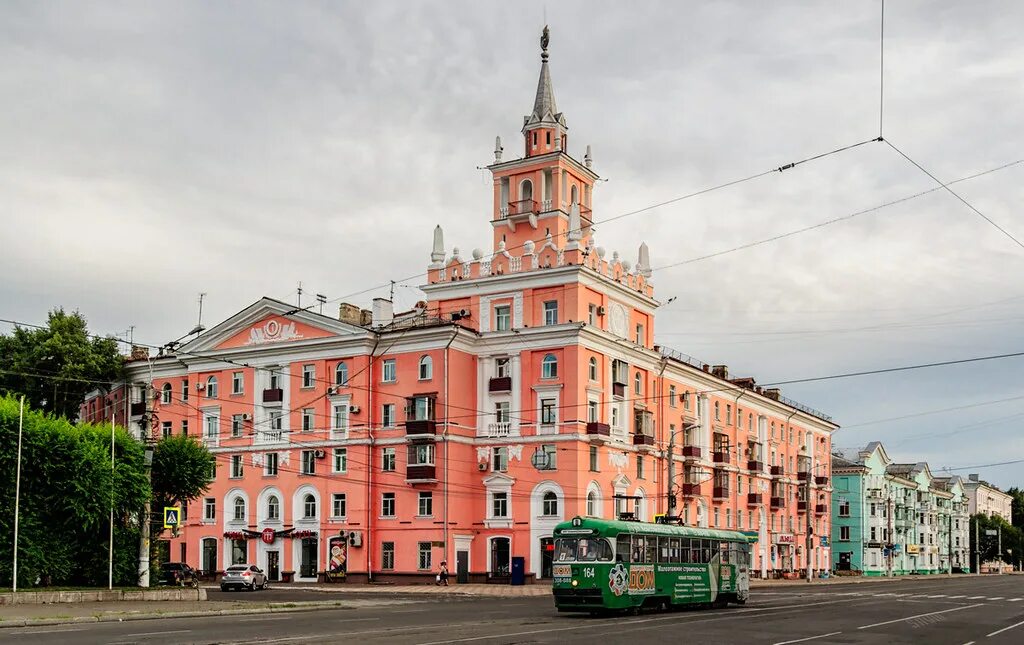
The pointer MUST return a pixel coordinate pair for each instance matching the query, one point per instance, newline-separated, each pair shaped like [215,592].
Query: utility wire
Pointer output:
[898,369]
[954,194]
[928,412]
[881,71]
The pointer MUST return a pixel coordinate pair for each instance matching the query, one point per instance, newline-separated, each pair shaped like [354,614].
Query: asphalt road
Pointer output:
[938,610]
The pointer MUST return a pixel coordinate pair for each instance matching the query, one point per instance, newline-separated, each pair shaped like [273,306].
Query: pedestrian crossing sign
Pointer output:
[172,517]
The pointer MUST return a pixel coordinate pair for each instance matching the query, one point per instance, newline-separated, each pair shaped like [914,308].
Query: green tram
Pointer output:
[625,565]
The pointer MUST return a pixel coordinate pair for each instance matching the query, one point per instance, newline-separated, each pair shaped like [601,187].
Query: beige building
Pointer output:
[983,497]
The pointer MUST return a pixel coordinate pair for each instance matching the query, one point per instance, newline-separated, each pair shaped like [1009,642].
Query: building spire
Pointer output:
[545,110]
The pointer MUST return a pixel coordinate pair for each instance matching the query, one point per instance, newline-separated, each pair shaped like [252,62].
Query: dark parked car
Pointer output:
[179,574]
[243,576]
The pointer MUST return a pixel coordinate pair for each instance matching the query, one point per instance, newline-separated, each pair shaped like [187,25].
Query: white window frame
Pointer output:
[550,312]
[308,462]
[210,509]
[387,415]
[425,504]
[271,462]
[388,460]
[549,368]
[426,368]
[237,383]
[237,467]
[499,459]
[309,375]
[339,460]
[497,497]
[308,420]
[341,374]
[166,392]
[211,387]
[384,499]
[424,556]
[502,317]
[388,371]
[339,499]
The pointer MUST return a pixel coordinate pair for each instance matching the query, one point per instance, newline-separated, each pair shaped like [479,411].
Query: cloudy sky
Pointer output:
[150,151]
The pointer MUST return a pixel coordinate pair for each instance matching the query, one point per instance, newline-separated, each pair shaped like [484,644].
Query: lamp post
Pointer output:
[145,533]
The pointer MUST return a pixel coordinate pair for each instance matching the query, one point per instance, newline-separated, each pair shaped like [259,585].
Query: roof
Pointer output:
[622,526]
[545,110]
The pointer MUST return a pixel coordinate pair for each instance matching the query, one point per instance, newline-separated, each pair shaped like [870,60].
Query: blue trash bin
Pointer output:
[518,570]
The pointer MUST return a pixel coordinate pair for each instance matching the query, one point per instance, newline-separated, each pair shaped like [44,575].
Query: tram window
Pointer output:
[652,550]
[565,549]
[724,550]
[673,550]
[663,550]
[684,547]
[594,549]
[638,549]
[622,548]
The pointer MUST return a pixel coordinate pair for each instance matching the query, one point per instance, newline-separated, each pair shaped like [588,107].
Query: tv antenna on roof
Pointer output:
[199,325]
[321,300]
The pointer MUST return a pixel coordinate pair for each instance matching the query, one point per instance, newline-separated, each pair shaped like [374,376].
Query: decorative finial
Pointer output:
[498,149]
[545,38]
[587,159]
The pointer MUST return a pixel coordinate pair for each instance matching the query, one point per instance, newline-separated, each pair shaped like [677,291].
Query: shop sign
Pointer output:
[913,549]
[268,536]
[641,579]
[785,538]
[337,568]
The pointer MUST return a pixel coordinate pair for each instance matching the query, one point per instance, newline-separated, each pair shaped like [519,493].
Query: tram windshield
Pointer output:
[582,550]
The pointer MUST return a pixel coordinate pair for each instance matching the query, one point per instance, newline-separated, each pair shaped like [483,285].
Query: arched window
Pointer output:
[638,383]
[426,368]
[550,503]
[239,508]
[165,394]
[308,506]
[593,369]
[526,190]
[549,367]
[341,374]
[575,195]
[592,504]
[273,508]
[211,387]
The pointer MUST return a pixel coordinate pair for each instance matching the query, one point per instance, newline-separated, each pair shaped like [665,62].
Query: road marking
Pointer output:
[1012,599]
[809,638]
[969,643]
[173,631]
[958,596]
[50,631]
[974,597]
[262,618]
[996,598]
[1005,629]
[941,595]
[931,613]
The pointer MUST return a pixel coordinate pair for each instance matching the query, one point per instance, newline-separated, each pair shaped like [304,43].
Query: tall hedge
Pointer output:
[66,491]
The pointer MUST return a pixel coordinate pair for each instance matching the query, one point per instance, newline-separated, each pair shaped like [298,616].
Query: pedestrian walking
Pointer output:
[442,576]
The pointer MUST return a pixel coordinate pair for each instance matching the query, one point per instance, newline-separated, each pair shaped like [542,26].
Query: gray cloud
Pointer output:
[152,151]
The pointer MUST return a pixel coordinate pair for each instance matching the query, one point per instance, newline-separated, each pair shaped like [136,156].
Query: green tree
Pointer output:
[1017,508]
[988,545]
[56,366]
[182,471]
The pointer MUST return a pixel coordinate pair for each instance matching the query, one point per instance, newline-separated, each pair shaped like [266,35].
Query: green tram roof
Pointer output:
[614,527]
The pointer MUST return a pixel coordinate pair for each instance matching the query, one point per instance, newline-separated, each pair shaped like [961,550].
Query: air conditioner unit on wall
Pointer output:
[355,538]
[482,467]
[354,409]
[600,311]
[319,454]
[246,417]
[200,387]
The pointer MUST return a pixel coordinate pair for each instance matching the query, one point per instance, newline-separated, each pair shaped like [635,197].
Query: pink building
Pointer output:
[524,391]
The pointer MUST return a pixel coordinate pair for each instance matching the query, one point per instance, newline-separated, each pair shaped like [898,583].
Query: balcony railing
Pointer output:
[692,451]
[691,490]
[420,472]
[500,384]
[267,437]
[754,499]
[522,207]
[421,427]
[801,506]
[820,509]
[138,409]
[500,429]
[803,476]
[720,492]
[619,389]
[778,502]
[755,465]
[821,480]
[597,428]
[643,440]
[721,457]
[273,395]
[777,470]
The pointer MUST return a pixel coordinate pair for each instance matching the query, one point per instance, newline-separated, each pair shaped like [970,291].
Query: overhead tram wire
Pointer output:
[674,200]
[835,220]
[946,185]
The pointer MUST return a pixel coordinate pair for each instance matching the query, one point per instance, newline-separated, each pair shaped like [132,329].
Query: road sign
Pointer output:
[990,532]
[172,517]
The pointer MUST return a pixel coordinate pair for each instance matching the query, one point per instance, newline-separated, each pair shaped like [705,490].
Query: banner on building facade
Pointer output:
[337,568]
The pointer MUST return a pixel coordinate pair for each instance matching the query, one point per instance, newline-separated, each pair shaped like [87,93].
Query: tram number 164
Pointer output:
[588,572]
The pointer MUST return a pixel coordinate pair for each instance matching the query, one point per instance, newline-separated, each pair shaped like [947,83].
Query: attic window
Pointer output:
[535,138]
[548,137]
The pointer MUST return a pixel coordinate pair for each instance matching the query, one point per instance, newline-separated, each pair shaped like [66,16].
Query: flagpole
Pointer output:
[17,496]
[110,574]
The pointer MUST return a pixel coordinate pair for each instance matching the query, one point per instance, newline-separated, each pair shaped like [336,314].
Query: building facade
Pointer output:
[525,390]
[896,519]
[987,499]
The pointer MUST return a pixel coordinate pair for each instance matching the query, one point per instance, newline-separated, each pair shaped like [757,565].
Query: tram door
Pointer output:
[547,556]
[742,571]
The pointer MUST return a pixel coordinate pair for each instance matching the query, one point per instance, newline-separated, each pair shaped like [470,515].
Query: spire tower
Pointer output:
[544,128]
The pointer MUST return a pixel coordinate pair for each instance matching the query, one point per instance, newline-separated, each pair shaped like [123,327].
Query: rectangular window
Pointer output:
[499,505]
[209,509]
[307,420]
[686,400]
[339,505]
[499,459]
[546,457]
[844,533]
[387,555]
[308,462]
[388,372]
[592,411]
[387,459]
[672,396]
[387,415]
[424,556]
[308,375]
[165,429]
[502,318]
[874,509]
[184,427]
[874,534]
[426,505]
[844,509]
[275,380]
[236,425]
[592,315]
[640,468]
[276,420]
[339,418]
[270,464]
[184,390]
[419,408]
[551,312]
[341,460]
[547,412]
[212,427]
[639,334]
[501,412]
[593,459]
[387,505]
[236,466]
[237,383]
[502,367]
[421,454]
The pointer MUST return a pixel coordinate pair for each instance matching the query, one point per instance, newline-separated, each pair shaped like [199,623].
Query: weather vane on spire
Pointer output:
[545,38]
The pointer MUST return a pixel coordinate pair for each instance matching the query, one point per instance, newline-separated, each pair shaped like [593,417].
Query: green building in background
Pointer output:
[897,519]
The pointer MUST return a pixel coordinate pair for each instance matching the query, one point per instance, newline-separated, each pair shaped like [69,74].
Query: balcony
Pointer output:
[777,471]
[521,207]
[821,480]
[138,409]
[273,395]
[643,440]
[270,437]
[778,502]
[619,389]
[421,427]
[500,384]
[754,499]
[803,476]
[755,465]
[691,490]
[499,429]
[420,472]
[693,452]
[720,492]
[721,457]
[801,506]
[820,509]
[600,429]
